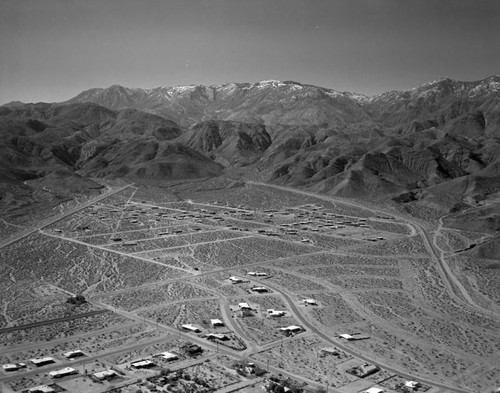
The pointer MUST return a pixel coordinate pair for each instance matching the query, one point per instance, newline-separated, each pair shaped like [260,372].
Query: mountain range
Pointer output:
[436,146]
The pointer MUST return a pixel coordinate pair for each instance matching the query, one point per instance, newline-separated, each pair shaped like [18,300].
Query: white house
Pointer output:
[42,361]
[216,322]
[310,302]
[10,367]
[168,356]
[260,289]
[191,327]
[235,280]
[143,364]
[63,372]
[275,313]
[291,329]
[105,374]
[373,389]
[244,306]
[41,389]
[258,274]
[73,354]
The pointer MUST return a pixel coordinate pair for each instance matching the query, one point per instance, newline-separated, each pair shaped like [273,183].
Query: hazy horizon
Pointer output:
[52,50]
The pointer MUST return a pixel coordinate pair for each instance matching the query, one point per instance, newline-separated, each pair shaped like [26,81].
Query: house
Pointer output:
[244,306]
[106,374]
[275,313]
[63,372]
[42,361]
[235,280]
[143,364]
[373,389]
[216,322]
[10,367]
[365,370]
[191,327]
[193,349]
[41,389]
[412,384]
[291,329]
[310,302]
[73,354]
[354,336]
[218,336]
[259,289]
[258,274]
[169,356]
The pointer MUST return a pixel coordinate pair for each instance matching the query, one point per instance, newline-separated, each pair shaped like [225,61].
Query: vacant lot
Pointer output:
[155,296]
[304,356]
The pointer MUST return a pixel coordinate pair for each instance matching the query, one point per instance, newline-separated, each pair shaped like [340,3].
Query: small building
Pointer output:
[217,336]
[216,322]
[41,389]
[354,336]
[365,370]
[258,274]
[193,349]
[275,313]
[259,289]
[291,329]
[106,374]
[244,306]
[191,327]
[330,351]
[142,364]
[42,361]
[235,280]
[169,356]
[10,367]
[64,372]
[310,302]
[373,389]
[412,384]
[73,354]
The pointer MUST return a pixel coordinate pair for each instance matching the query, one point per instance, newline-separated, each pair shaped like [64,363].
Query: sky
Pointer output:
[51,50]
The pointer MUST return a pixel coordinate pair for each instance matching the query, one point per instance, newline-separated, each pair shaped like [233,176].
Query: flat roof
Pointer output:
[10,365]
[72,353]
[292,327]
[168,355]
[105,373]
[41,388]
[63,371]
[142,363]
[42,360]
[190,326]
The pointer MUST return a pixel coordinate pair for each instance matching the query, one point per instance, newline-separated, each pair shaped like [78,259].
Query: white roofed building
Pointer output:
[42,361]
[168,356]
[216,322]
[191,327]
[106,374]
[63,372]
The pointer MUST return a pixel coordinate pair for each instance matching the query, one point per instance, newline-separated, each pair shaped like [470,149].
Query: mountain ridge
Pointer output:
[406,148]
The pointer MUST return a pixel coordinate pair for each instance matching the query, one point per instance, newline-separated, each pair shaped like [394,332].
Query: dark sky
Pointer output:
[50,50]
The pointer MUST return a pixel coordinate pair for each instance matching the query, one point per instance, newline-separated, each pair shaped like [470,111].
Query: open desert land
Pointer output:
[297,284]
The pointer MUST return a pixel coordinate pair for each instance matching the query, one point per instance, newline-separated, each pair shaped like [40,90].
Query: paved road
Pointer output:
[52,321]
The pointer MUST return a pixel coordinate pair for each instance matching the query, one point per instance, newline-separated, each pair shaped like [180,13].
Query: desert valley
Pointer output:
[248,236]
